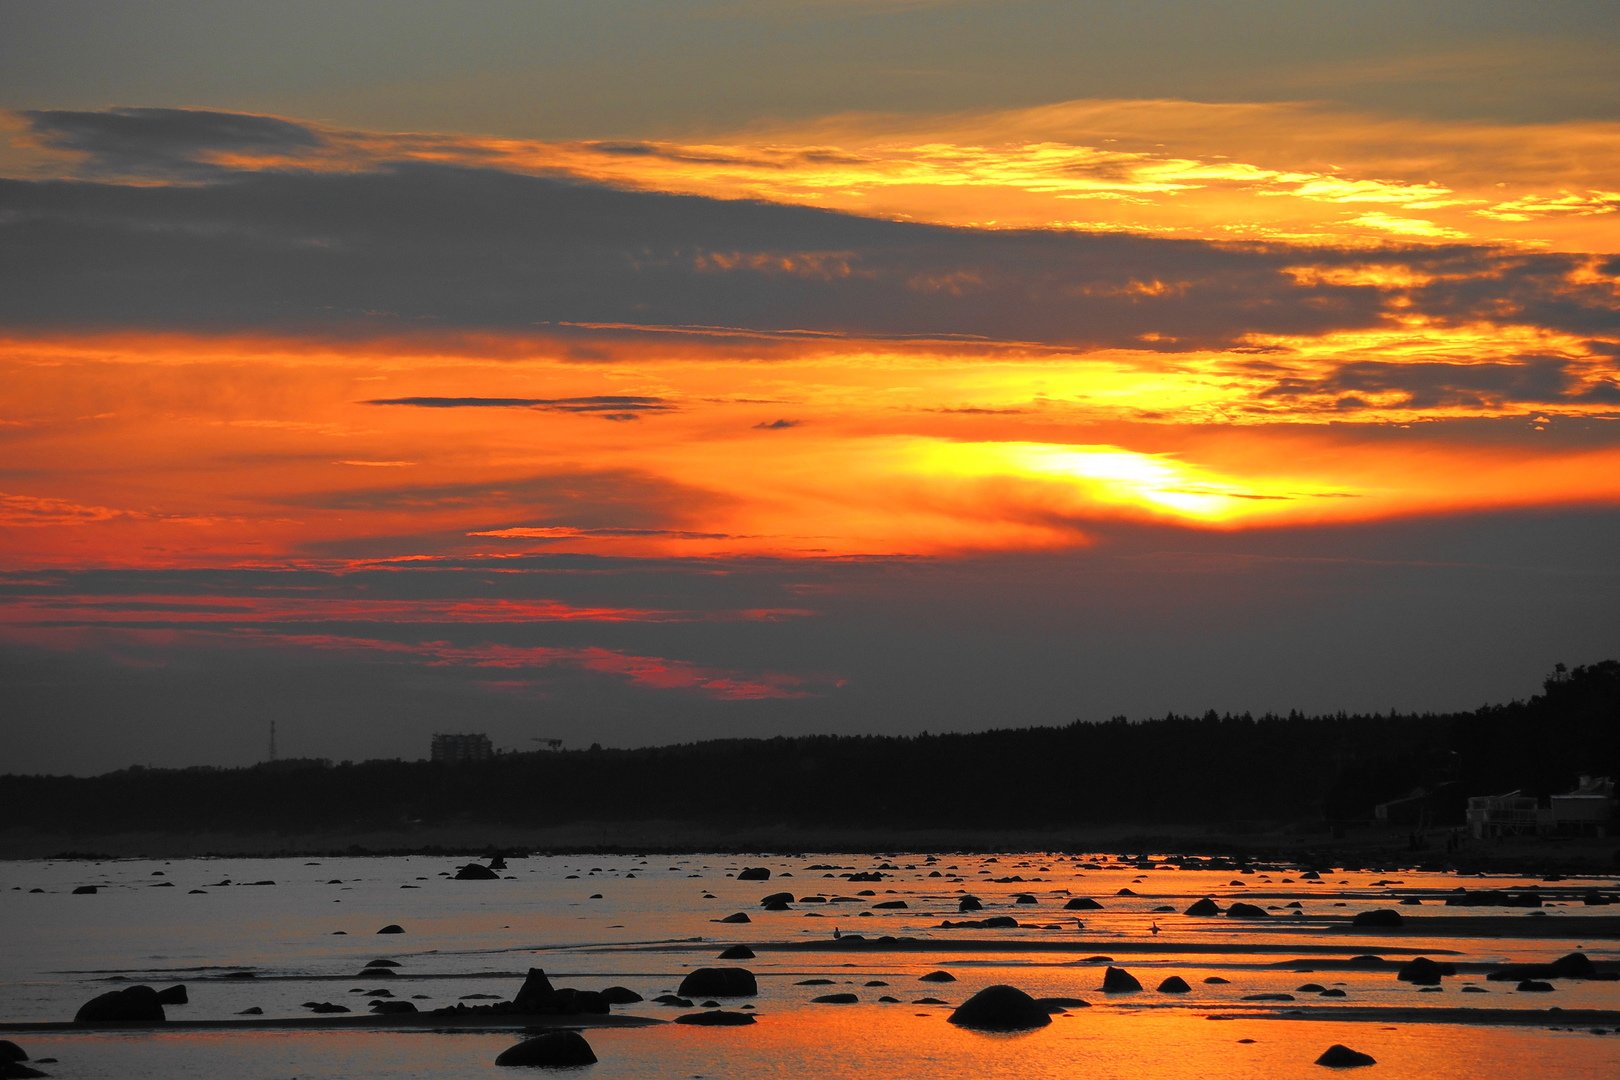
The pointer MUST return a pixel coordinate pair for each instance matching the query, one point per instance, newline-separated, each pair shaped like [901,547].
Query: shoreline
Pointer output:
[1367,847]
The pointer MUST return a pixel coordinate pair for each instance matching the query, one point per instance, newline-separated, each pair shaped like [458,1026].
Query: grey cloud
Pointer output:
[777,425]
[424,247]
[170,143]
[1528,380]
[604,406]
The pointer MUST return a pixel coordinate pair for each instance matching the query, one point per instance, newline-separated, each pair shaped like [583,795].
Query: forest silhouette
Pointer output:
[1176,769]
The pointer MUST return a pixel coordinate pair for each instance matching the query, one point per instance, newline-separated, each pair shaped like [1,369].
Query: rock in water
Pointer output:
[969,903]
[554,1049]
[389,1008]
[716,1018]
[1339,1056]
[536,993]
[1175,984]
[392,928]
[735,917]
[1382,918]
[937,976]
[1241,910]
[172,995]
[835,999]
[1424,972]
[1206,906]
[476,872]
[753,873]
[1082,903]
[1119,981]
[133,1003]
[1000,1008]
[737,952]
[10,1051]
[719,982]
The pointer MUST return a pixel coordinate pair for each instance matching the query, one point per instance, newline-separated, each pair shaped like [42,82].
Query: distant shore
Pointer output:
[1369,847]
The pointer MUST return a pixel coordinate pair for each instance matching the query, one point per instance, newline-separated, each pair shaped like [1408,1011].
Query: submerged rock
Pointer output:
[1424,972]
[1000,1008]
[389,1008]
[1379,918]
[835,999]
[716,1018]
[553,1049]
[937,976]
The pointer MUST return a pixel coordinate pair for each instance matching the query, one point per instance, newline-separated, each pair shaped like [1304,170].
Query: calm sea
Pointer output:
[275,934]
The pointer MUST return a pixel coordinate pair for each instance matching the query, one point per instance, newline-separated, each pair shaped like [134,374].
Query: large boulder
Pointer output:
[1175,984]
[476,872]
[1339,1056]
[554,1049]
[10,1051]
[1205,907]
[1000,1008]
[172,995]
[131,1004]
[970,903]
[1119,981]
[719,982]
[1082,903]
[754,873]
[1241,910]
[621,995]
[777,901]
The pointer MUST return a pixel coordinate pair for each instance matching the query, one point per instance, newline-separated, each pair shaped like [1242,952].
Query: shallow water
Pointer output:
[643,922]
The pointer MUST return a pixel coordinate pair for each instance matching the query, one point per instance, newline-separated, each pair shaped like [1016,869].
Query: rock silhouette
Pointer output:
[719,982]
[133,1003]
[1119,981]
[1339,1056]
[1000,1008]
[554,1049]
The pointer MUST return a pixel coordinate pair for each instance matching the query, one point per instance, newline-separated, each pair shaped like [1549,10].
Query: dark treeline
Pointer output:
[1179,769]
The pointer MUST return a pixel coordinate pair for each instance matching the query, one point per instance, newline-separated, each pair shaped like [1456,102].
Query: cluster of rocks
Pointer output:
[537,997]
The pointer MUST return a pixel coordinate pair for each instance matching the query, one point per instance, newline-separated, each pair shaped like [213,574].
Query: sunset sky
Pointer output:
[642,372]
